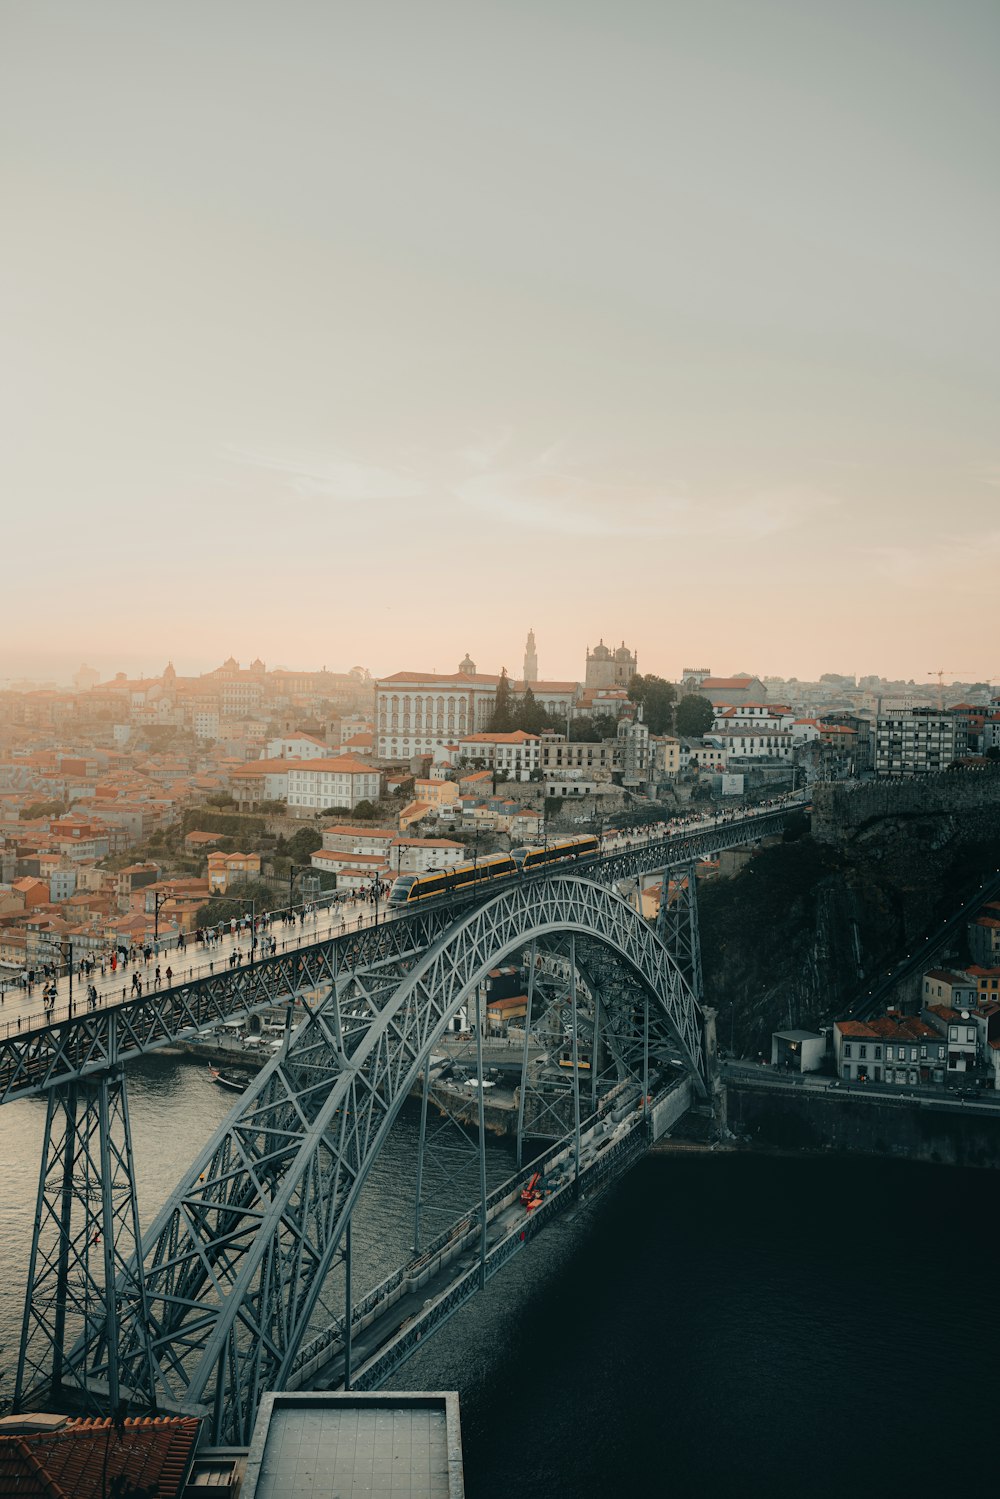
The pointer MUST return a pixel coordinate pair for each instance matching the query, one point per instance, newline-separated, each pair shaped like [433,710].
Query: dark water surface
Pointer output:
[714,1325]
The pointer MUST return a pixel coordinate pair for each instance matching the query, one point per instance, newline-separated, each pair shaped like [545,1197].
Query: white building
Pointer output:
[517,754]
[338,782]
[747,744]
[205,723]
[295,747]
[417,855]
[419,713]
[343,838]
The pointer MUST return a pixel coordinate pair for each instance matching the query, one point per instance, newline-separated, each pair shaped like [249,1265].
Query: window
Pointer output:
[847,1049]
[878,1053]
[888,1055]
[862,1051]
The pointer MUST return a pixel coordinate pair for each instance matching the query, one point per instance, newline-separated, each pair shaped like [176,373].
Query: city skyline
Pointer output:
[207,663]
[681,318]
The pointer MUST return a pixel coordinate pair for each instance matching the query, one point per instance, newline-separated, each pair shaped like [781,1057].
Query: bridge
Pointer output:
[245,1281]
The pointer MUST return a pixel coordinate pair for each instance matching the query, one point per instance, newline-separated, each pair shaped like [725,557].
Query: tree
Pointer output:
[237,901]
[529,714]
[503,706]
[656,697]
[303,843]
[694,716]
[365,810]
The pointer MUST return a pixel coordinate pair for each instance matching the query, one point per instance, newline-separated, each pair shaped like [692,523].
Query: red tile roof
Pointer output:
[69,1462]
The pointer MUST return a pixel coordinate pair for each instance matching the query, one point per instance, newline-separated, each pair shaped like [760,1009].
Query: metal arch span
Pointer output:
[235,1262]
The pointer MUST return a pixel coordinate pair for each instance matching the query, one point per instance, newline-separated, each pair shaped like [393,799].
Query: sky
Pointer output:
[375,334]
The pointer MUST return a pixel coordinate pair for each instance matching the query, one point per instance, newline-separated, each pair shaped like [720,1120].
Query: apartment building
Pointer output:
[918,742]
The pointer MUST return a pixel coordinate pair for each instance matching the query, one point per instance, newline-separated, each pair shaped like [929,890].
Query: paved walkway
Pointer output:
[21,1010]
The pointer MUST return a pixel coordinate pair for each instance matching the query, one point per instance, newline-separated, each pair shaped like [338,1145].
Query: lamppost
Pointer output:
[253,929]
[292,871]
[158,901]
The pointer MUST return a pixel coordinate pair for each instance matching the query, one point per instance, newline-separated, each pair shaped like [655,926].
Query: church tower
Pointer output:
[530,659]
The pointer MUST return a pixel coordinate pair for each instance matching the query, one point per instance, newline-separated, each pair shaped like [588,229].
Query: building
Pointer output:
[421,713]
[229,869]
[732,692]
[575,758]
[607,668]
[918,742]
[984,936]
[353,871]
[343,838]
[962,1034]
[515,755]
[417,855]
[43,1454]
[798,1051]
[260,781]
[338,782]
[435,793]
[295,747]
[940,986]
[896,1048]
[530,660]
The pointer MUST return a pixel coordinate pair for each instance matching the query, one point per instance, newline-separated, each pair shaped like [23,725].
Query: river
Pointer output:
[715,1324]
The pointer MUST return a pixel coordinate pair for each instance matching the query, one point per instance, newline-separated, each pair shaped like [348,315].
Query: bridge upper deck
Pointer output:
[41,1048]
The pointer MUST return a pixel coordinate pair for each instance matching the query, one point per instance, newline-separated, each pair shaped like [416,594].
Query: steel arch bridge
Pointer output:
[215,1307]
[234,1264]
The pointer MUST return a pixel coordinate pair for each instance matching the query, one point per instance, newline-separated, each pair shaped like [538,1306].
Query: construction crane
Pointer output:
[939,673]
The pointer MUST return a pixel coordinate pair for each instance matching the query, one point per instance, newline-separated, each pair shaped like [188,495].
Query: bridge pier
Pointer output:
[81,1268]
[713,1076]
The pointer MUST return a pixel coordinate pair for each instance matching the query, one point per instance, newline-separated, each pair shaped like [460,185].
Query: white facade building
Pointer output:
[338,782]
[417,855]
[517,754]
[419,713]
[295,747]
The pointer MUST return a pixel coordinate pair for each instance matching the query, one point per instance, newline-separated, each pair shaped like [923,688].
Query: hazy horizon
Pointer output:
[384,333]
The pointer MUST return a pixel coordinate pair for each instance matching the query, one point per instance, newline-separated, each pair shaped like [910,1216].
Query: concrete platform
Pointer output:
[375,1445]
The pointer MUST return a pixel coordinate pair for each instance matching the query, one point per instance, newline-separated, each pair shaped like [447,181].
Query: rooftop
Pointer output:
[354,1444]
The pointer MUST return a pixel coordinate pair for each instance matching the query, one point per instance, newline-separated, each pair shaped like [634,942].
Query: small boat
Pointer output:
[232,1083]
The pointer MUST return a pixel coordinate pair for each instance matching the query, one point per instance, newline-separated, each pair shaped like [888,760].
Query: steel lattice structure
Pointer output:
[215,1307]
[235,1262]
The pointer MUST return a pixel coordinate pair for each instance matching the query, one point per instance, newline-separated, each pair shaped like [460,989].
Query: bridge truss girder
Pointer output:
[236,1260]
[86,1250]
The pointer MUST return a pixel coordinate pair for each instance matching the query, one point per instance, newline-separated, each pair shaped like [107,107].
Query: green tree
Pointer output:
[529,714]
[503,706]
[656,697]
[303,843]
[694,716]
[237,902]
[365,810]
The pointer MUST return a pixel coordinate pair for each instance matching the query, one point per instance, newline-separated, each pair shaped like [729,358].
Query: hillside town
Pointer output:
[136,811]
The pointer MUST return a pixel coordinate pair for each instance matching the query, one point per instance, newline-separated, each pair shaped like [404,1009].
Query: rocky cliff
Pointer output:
[808,923]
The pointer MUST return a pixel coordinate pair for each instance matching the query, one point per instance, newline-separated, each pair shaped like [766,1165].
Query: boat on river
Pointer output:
[235,1084]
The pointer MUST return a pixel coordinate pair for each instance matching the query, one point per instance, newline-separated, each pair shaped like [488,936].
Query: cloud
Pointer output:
[938,562]
[332,475]
[547,494]
[989,474]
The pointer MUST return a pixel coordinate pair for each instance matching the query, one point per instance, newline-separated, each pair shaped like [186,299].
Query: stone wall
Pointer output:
[839,1121]
[841,809]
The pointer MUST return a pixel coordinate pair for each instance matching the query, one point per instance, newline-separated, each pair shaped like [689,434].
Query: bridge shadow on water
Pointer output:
[728,1325]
